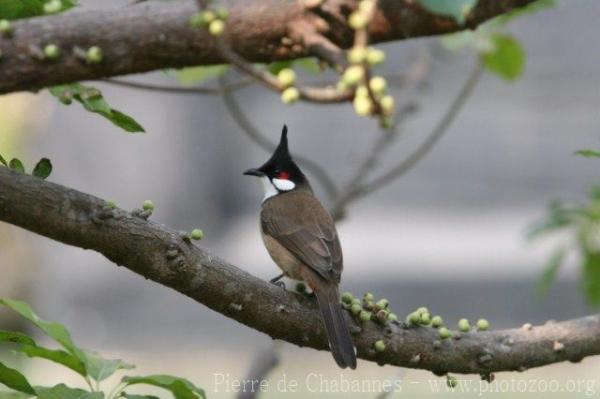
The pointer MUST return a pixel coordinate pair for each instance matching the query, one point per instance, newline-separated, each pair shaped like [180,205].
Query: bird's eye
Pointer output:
[282,175]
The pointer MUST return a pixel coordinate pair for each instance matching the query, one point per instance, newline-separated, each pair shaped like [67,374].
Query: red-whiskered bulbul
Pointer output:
[301,238]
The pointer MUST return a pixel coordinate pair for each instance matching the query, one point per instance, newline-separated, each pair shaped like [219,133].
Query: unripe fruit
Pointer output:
[363,106]
[216,27]
[355,308]
[361,91]
[353,75]
[111,205]
[357,301]
[377,84]
[222,13]
[197,234]
[286,77]
[425,318]
[483,324]
[312,3]
[206,17]
[437,321]
[5,27]
[365,316]
[375,56]
[388,104]
[382,315]
[422,309]
[383,303]
[52,7]
[366,6]
[148,205]
[463,325]
[195,20]
[94,55]
[290,95]
[413,318]
[379,346]
[392,317]
[451,381]
[444,333]
[357,55]
[347,297]
[342,85]
[368,297]
[52,51]
[358,20]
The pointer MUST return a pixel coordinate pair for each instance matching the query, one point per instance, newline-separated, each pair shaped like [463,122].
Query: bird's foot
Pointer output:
[277,281]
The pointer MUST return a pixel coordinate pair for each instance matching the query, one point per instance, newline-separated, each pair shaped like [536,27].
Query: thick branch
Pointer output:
[160,254]
[156,35]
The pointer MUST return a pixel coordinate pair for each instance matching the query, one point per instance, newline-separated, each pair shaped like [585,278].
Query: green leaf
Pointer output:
[125,122]
[15,9]
[3,161]
[62,391]
[551,270]
[277,66]
[16,338]
[14,395]
[591,277]
[58,356]
[199,74]
[128,396]
[93,101]
[16,164]
[100,369]
[43,168]
[559,217]
[587,153]
[52,329]
[179,387]
[15,380]
[457,9]
[309,64]
[506,59]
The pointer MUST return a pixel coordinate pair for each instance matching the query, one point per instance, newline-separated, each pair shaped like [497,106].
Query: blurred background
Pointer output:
[450,234]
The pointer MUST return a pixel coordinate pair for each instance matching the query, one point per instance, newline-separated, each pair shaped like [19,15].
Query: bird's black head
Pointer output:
[279,173]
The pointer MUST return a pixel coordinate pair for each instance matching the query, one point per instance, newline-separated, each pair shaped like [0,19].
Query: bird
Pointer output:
[300,236]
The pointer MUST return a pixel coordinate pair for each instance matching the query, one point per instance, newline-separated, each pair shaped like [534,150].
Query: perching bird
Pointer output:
[300,236]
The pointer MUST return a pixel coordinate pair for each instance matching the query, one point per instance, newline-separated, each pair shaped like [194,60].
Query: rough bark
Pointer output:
[160,254]
[150,36]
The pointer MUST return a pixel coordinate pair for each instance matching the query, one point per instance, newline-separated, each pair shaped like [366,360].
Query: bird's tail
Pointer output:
[340,341]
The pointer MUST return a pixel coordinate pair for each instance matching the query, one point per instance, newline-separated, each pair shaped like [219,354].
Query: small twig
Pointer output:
[357,188]
[327,94]
[252,132]
[263,363]
[177,89]
[437,132]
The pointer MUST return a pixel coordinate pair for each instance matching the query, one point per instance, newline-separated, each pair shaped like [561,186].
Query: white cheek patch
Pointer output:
[283,185]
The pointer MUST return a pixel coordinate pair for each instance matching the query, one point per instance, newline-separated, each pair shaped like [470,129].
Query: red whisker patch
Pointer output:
[283,175]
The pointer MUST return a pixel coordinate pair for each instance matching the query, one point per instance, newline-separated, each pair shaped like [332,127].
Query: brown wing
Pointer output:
[298,221]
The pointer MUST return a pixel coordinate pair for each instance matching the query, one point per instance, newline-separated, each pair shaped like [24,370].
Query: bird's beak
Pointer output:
[254,172]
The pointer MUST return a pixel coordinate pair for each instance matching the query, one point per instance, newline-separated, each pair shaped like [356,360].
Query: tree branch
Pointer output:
[162,255]
[152,35]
